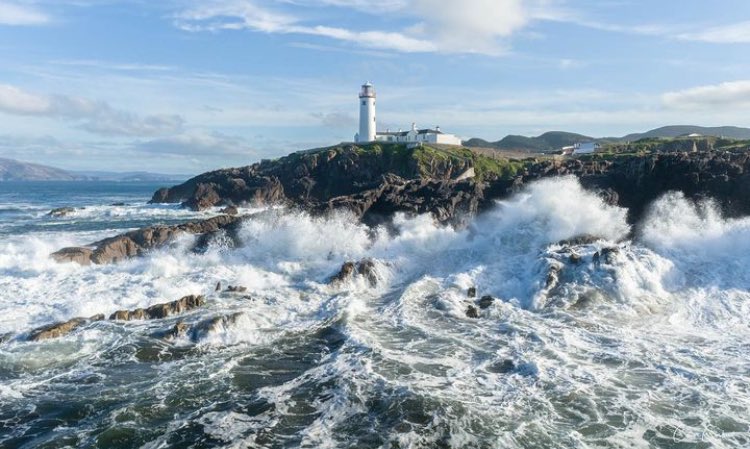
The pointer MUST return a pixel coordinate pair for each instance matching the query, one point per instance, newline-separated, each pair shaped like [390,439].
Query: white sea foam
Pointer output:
[648,341]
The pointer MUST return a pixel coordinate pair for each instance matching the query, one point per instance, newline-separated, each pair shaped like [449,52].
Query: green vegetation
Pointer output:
[431,160]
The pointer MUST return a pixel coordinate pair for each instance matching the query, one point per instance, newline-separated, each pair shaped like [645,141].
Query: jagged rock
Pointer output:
[81,256]
[472,312]
[472,293]
[215,324]
[236,289]
[230,210]
[348,270]
[58,330]
[160,311]
[218,287]
[136,243]
[61,212]
[486,302]
[179,330]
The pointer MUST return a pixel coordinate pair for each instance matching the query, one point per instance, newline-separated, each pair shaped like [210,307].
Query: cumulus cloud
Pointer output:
[17,15]
[729,95]
[469,26]
[97,117]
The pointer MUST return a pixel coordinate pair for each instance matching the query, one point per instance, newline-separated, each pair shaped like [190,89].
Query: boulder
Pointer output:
[137,243]
[81,256]
[230,210]
[486,302]
[61,212]
[215,324]
[236,289]
[472,312]
[160,311]
[179,330]
[349,270]
[472,293]
[58,330]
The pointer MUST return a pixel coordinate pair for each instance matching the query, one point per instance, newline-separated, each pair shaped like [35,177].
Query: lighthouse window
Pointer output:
[363,103]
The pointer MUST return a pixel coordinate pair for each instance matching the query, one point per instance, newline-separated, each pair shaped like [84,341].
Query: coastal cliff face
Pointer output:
[379,180]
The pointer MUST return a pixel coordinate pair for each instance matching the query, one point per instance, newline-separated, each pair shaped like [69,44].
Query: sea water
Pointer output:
[633,337]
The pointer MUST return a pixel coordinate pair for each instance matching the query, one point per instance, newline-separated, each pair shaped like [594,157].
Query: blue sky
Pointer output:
[185,86]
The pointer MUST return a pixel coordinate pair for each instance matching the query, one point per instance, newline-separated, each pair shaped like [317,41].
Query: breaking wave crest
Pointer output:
[586,334]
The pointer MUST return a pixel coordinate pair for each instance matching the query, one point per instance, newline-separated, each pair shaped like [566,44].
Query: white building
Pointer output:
[368,126]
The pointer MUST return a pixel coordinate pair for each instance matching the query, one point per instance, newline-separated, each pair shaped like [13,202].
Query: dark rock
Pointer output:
[236,289]
[160,311]
[472,293]
[609,253]
[349,270]
[215,324]
[230,210]
[179,330]
[118,204]
[485,302]
[137,243]
[575,259]
[366,268]
[472,312]
[504,367]
[553,276]
[61,212]
[218,287]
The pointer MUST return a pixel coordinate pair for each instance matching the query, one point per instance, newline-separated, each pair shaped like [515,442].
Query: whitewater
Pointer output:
[601,334]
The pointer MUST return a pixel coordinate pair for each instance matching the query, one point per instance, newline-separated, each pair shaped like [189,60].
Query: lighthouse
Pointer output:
[367,121]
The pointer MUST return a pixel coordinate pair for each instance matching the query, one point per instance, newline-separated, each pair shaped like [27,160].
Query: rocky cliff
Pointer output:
[451,184]
[378,180]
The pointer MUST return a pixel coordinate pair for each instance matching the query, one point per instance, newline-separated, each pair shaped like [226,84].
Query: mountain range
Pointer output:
[555,140]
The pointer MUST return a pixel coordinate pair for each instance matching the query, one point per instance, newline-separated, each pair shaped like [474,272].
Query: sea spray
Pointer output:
[639,343]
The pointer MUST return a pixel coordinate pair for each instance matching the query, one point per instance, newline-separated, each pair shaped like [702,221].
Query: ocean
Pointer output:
[599,335]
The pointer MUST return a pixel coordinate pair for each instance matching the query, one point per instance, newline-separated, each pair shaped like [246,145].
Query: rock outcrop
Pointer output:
[137,243]
[58,330]
[374,182]
[349,270]
[160,311]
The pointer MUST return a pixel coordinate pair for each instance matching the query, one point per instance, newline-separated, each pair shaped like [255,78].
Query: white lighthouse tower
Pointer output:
[367,121]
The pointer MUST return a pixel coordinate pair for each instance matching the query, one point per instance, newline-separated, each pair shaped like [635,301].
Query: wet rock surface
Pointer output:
[160,311]
[349,270]
[374,185]
[58,330]
[137,243]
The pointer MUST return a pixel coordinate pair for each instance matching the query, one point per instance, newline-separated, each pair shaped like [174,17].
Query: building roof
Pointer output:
[404,133]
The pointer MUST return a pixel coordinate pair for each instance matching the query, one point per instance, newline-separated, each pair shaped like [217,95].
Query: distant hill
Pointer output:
[137,176]
[550,141]
[730,132]
[12,170]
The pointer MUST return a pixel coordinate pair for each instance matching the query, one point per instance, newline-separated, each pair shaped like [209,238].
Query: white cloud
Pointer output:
[93,116]
[727,95]
[738,33]
[16,14]
[469,26]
